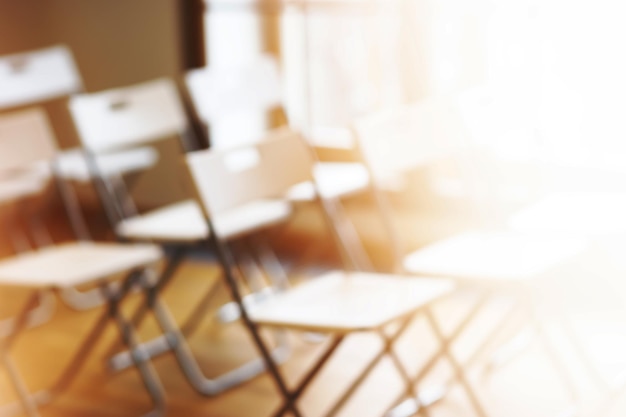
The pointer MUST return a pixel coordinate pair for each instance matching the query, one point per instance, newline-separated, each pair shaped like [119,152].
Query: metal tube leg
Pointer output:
[140,313]
[269,262]
[96,332]
[553,355]
[194,319]
[388,342]
[494,362]
[166,276]
[347,257]
[227,263]
[458,370]
[190,367]
[346,235]
[37,316]
[147,372]
[583,357]
[28,403]
[292,397]
[414,405]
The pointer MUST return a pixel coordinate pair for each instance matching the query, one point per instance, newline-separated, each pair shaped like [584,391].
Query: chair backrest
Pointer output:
[396,141]
[129,116]
[37,76]
[225,179]
[25,138]
[217,91]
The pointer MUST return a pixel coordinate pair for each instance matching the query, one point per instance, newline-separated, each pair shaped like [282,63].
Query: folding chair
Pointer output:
[222,95]
[338,303]
[26,137]
[47,77]
[145,114]
[598,216]
[17,184]
[493,261]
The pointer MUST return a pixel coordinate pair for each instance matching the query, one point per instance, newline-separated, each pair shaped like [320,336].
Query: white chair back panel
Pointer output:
[25,138]
[397,141]
[233,130]
[225,179]
[37,76]
[130,116]
[252,87]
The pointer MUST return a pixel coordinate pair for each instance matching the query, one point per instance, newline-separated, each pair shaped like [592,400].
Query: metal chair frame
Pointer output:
[113,294]
[174,337]
[20,62]
[523,300]
[265,95]
[290,396]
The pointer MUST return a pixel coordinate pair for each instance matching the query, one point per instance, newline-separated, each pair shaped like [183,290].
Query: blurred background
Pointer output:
[534,101]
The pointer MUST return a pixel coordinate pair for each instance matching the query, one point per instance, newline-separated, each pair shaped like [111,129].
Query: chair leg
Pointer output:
[21,322]
[458,369]
[140,313]
[386,350]
[174,340]
[268,261]
[290,397]
[509,351]
[260,259]
[550,350]
[36,317]
[431,395]
[346,235]
[147,372]
[210,387]
[28,403]
[580,351]
[200,311]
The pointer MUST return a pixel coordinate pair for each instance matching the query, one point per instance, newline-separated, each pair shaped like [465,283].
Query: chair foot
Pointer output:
[425,398]
[150,349]
[36,317]
[191,369]
[509,352]
[238,376]
[229,312]
[39,398]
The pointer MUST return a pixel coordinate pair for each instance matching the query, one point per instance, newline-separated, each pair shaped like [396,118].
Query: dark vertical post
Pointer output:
[191,14]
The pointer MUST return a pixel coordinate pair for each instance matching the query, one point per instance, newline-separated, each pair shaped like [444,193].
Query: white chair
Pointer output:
[145,114]
[39,76]
[26,137]
[47,77]
[490,260]
[338,303]
[221,96]
[28,78]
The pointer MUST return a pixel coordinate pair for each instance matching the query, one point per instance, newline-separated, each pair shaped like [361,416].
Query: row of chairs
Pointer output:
[242,190]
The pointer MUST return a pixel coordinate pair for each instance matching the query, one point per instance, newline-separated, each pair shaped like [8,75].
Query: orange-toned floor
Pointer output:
[524,387]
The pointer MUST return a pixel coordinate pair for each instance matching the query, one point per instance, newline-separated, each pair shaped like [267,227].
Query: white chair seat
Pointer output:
[73,166]
[184,221]
[75,264]
[20,185]
[494,256]
[582,213]
[334,180]
[335,302]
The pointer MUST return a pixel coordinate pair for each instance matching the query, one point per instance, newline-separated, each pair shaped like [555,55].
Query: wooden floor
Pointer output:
[527,386]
